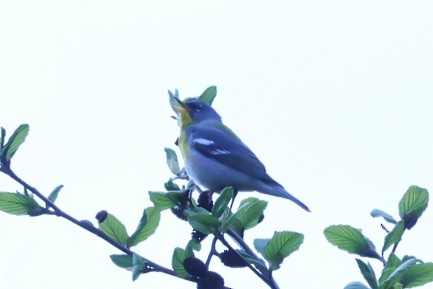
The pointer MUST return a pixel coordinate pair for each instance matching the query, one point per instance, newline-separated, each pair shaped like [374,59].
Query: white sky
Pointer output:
[335,97]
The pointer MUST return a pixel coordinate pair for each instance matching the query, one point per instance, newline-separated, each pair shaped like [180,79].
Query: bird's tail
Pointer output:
[277,190]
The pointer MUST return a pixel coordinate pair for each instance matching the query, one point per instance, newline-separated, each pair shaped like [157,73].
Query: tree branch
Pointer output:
[269,280]
[150,265]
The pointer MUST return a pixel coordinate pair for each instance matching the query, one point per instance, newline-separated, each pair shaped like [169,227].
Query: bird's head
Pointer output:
[193,111]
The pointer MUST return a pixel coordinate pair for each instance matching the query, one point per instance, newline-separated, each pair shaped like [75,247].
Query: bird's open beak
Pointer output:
[176,104]
[180,108]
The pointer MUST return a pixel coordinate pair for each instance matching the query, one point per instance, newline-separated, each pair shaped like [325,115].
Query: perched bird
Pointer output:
[215,157]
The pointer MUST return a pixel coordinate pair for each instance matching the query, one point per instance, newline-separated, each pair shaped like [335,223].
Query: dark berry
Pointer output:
[231,259]
[205,200]
[195,267]
[178,212]
[210,280]
[101,216]
[198,236]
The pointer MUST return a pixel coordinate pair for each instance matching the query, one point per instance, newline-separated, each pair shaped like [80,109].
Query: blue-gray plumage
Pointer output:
[216,158]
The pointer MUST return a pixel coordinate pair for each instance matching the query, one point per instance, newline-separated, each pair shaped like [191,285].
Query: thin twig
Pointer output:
[395,247]
[53,209]
[152,266]
[270,281]
[241,242]
[212,251]
[384,228]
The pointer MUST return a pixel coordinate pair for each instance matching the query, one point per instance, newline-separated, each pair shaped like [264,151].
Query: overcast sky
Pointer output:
[335,97]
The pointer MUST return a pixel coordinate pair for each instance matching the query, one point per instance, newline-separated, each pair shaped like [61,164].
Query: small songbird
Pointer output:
[215,157]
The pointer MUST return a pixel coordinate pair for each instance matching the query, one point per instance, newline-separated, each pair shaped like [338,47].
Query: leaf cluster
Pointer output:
[215,217]
[206,215]
[407,272]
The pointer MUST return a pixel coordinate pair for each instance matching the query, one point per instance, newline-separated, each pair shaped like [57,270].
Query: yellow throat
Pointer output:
[184,120]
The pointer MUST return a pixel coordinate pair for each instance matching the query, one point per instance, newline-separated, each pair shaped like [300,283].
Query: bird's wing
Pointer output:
[221,144]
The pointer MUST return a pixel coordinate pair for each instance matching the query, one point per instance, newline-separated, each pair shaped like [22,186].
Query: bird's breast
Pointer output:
[183,144]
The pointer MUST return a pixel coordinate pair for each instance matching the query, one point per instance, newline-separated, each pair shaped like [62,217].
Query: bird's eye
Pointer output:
[198,107]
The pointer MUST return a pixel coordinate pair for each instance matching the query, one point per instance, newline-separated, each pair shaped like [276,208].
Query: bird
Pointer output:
[215,157]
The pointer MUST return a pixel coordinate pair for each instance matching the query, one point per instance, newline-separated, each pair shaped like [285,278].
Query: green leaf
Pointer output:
[208,95]
[393,261]
[162,201]
[147,226]
[392,264]
[417,275]
[368,273]
[229,221]
[260,245]
[249,212]
[281,245]
[397,275]
[221,204]
[355,285]
[193,245]
[113,228]
[350,240]
[386,272]
[137,266]
[172,161]
[202,221]
[14,142]
[171,186]
[122,260]
[387,217]
[408,257]
[394,236]
[55,193]
[179,255]
[18,204]
[412,205]
[226,221]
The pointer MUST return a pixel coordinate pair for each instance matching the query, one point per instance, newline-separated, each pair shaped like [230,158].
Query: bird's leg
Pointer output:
[197,188]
